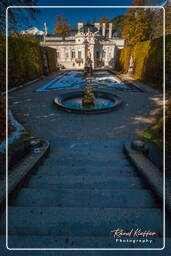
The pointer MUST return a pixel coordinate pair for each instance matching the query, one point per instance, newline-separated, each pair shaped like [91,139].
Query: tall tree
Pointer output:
[157,21]
[62,25]
[137,23]
[17,17]
[104,19]
[117,23]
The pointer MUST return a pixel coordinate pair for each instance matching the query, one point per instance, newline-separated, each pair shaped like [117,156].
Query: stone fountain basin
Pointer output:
[72,102]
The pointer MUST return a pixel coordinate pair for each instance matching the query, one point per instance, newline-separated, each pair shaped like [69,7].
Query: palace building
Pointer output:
[96,41]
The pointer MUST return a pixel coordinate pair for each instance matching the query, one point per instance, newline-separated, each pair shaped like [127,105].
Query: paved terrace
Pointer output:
[37,113]
[86,186]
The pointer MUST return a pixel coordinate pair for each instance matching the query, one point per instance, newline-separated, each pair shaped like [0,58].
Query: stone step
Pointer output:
[80,221]
[115,146]
[75,156]
[81,182]
[86,171]
[85,198]
[86,163]
[78,242]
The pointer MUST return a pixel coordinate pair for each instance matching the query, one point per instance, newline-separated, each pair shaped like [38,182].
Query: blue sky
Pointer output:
[82,14]
[74,15]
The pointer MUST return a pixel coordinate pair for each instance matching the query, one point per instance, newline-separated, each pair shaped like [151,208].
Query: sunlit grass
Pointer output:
[154,133]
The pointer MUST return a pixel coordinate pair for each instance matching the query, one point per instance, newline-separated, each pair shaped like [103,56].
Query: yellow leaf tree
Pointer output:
[62,25]
[137,24]
[104,19]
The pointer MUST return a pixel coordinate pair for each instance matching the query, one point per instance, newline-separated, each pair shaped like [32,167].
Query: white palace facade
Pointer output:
[98,41]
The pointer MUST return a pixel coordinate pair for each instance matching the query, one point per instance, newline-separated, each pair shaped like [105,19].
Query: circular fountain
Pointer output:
[87,101]
[82,102]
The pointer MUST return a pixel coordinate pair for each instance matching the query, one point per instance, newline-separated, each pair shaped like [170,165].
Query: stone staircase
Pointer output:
[78,195]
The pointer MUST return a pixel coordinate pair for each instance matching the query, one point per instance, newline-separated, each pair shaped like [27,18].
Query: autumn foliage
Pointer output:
[62,25]
[136,26]
[104,19]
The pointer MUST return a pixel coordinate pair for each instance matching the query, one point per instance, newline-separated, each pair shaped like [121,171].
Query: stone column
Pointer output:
[103,29]
[106,56]
[91,46]
[97,25]
[114,56]
[110,30]
[80,25]
[106,59]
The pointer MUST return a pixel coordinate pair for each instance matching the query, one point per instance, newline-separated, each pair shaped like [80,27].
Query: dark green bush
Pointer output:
[25,60]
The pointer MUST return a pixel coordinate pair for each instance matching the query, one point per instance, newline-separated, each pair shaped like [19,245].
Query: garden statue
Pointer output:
[131,65]
[88,66]
[88,98]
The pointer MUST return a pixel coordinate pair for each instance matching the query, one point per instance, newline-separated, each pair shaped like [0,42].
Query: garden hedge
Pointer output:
[148,60]
[25,60]
[25,63]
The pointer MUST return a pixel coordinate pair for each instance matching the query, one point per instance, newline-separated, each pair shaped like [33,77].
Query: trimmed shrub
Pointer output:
[123,59]
[51,57]
[148,60]
[152,70]
[25,60]
[140,53]
[25,63]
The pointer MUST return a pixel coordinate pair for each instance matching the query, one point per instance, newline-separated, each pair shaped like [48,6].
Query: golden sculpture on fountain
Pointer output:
[88,98]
